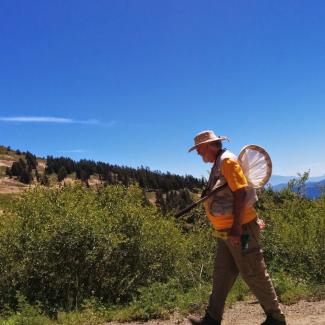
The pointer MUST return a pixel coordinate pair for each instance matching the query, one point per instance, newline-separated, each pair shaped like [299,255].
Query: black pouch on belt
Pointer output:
[244,240]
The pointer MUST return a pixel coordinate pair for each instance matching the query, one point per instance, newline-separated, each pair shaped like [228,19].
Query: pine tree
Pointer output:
[17,167]
[62,174]
[160,201]
[25,177]
[37,175]
[45,180]
[8,172]
[31,160]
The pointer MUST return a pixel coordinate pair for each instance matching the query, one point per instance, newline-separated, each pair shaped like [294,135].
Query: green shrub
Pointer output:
[64,248]
[6,200]
[294,238]
[289,289]
[160,300]
[198,267]
[25,314]
[61,246]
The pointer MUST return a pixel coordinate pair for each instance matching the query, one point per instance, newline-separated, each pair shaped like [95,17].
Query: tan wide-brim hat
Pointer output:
[205,137]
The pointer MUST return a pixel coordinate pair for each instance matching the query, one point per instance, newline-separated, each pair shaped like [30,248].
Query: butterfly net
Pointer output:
[256,165]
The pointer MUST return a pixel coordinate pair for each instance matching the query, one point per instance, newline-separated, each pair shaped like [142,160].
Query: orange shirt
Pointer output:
[234,175]
[236,179]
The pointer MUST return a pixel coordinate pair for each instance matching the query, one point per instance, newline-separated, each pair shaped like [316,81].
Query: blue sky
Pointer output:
[131,82]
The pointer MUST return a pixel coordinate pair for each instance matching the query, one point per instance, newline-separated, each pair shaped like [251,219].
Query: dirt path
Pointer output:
[9,185]
[250,313]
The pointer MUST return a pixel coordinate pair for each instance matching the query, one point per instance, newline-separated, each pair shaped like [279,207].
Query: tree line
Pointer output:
[113,174]
[25,169]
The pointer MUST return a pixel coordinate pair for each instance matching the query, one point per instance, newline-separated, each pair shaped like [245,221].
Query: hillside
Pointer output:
[20,170]
[7,158]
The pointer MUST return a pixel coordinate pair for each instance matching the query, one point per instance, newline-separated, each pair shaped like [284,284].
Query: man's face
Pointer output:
[207,151]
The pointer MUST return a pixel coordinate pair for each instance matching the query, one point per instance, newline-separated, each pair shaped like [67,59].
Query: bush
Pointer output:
[25,314]
[160,300]
[64,248]
[6,200]
[61,246]
[289,289]
[294,238]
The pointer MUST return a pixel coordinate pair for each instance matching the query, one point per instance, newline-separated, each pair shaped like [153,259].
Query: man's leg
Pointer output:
[224,275]
[252,268]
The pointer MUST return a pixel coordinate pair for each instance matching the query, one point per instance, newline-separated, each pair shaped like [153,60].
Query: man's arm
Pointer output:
[238,184]
[239,204]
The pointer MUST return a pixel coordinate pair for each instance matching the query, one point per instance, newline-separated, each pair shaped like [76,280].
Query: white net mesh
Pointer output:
[256,165]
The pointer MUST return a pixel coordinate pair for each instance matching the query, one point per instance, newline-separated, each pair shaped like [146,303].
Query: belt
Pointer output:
[224,233]
[220,234]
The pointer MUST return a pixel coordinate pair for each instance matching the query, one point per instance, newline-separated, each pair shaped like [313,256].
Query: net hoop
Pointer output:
[267,165]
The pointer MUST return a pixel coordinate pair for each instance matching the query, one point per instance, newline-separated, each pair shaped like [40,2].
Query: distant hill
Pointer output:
[283,180]
[313,190]
[17,169]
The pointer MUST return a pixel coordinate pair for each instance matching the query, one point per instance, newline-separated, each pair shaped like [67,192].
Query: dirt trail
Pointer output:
[9,186]
[250,313]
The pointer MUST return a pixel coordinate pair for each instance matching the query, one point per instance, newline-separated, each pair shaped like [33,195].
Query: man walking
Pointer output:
[234,221]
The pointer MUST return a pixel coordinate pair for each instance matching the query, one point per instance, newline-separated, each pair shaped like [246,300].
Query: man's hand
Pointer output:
[234,240]
[234,235]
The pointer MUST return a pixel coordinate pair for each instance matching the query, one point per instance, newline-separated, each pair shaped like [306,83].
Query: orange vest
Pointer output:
[220,206]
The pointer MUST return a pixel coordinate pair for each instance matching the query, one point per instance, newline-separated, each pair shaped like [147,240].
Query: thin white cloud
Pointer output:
[36,119]
[51,119]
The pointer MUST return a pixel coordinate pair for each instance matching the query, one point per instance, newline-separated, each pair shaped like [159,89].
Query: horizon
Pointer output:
[132,83]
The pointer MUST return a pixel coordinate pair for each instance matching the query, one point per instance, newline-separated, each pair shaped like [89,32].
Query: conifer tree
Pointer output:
[31,160]
[45,180]
[25,176]
[17,167]
[62,174]
[160,201]
[37,175]
[8,172]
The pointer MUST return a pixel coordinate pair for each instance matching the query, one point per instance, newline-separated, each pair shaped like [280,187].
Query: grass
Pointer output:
[6,200]
[163,300]
[158,301]
[3,170]
[5,154]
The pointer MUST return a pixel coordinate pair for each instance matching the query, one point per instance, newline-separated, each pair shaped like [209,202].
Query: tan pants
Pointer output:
[232,260]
